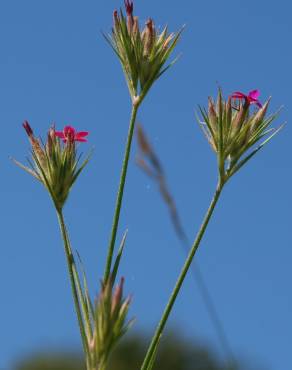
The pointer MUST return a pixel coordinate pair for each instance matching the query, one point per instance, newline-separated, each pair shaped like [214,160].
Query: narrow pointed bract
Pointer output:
[232,129]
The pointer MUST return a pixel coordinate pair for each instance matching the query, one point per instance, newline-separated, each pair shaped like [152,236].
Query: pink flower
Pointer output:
[70,134]
[251,98]
[129,7]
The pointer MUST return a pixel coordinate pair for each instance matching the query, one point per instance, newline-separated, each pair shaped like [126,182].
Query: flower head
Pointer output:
[53,164]
[251,98]
[142,52]
[70,134]
[232,131]
[109,322]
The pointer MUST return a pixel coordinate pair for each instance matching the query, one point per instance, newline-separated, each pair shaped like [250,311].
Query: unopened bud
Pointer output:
[135,26]
[212,114]
[116,19]
[240,117]
[117,296]
[149,37]
[229,110]
[27,128]
[259,116]
[129,7]
[36,146]
[130,19]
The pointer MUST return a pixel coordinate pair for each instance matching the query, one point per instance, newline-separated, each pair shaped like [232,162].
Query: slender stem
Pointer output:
[72,274]
[180,280]
[120,192]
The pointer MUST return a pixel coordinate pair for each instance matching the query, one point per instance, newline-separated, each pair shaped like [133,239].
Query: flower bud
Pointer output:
[135,27]
[212,114]
[116,20]
[148,37]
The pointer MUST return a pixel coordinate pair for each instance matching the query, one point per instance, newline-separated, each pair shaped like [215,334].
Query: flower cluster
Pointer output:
[232,128]
[142,53]
[54,164]
[110,325]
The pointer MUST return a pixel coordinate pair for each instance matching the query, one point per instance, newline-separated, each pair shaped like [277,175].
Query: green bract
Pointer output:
[233,129]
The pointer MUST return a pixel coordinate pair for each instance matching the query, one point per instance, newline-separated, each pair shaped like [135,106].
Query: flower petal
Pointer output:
[60,134]
[254,94]
[69,130]
[81,133]
[80,139]
[238,95]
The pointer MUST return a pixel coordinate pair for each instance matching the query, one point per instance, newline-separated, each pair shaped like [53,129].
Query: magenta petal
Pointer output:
[69,130]
[238,95]
[82,133]
[60,134]
[80,139]
[258,104]
[254,94]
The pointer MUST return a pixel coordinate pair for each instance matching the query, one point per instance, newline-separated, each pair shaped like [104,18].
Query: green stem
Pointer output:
[155,339]
[120,191]
[72,275]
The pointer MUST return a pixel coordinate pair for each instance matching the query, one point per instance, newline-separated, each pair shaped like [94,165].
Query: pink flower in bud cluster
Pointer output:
[251,98]
[70,134]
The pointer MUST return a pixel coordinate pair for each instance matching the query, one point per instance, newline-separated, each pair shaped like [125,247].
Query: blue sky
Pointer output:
[56,67]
